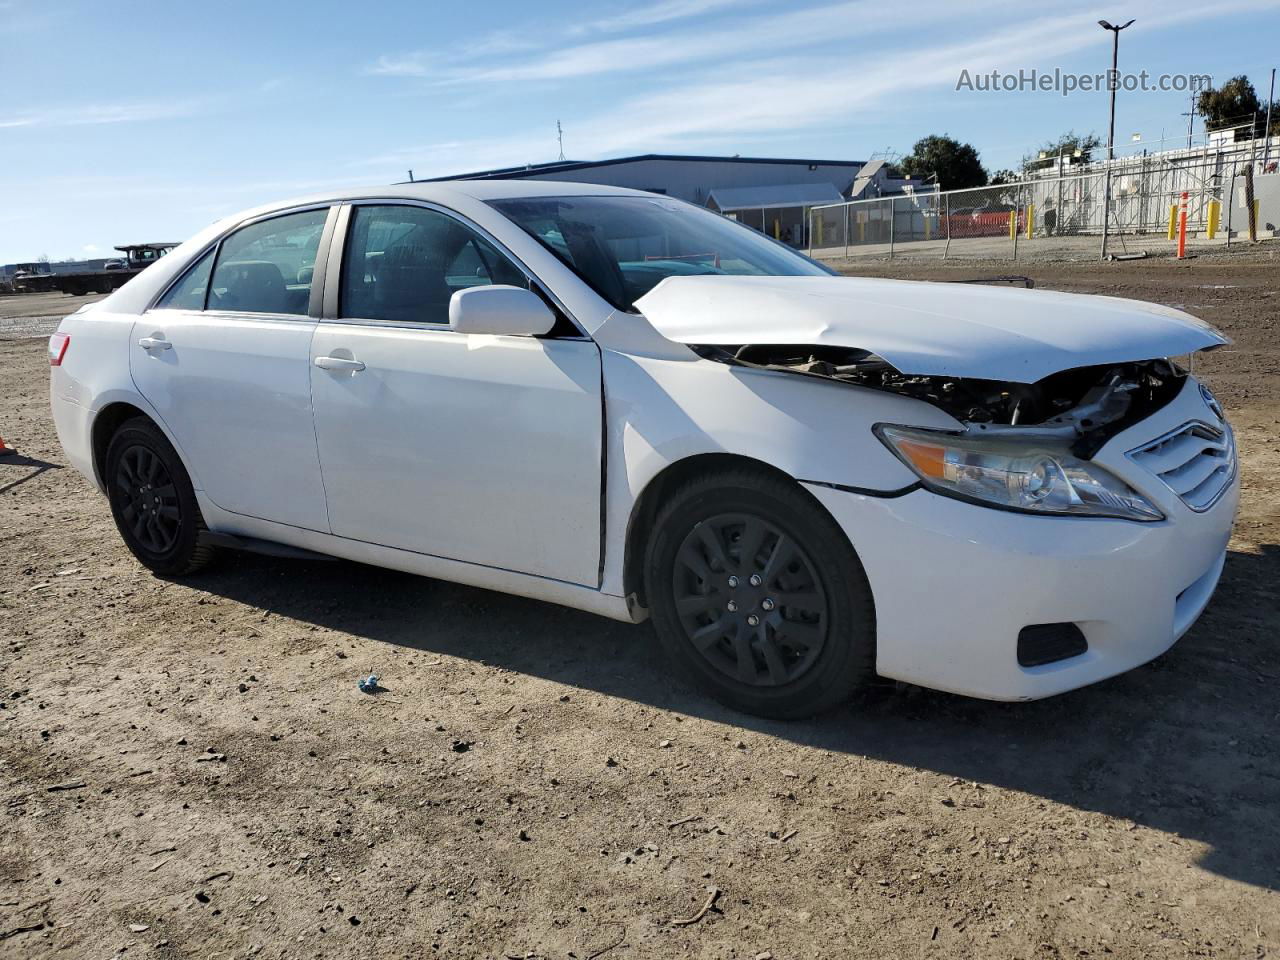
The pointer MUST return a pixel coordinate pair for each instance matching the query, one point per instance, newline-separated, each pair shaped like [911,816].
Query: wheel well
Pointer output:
[105,425]
[646,508]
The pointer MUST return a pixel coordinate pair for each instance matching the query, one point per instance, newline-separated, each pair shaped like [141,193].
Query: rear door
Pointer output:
[485,449]
[224,358]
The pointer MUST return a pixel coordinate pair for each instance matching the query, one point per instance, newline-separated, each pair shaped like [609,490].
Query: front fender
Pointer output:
[661,411]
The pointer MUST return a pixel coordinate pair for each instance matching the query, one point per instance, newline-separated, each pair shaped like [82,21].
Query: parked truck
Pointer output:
[115,273]
[78,279]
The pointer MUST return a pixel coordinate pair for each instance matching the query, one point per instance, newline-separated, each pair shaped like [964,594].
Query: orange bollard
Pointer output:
[1182,227]
[6,451]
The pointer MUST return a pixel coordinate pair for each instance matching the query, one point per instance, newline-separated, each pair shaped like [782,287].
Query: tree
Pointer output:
[955,165]
[1066,145]
[1001,177]
[1234,104]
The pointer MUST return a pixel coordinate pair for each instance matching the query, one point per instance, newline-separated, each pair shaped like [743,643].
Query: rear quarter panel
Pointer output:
[95,374]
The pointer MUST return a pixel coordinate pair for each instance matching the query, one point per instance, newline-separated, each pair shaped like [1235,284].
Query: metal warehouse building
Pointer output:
[767,193]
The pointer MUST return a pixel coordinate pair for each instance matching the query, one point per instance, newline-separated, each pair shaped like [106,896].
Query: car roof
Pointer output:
[508,189]
[445,191]
[474,189]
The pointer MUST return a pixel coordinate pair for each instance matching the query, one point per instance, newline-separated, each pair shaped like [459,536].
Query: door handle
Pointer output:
[154,343]
[339,363]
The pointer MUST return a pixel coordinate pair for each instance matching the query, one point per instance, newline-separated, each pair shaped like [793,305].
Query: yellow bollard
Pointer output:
[1013,224]
[1215,214]
[1173,220]
[777,229]
[927,231]
[862,228]
[1031,219]
[819,231]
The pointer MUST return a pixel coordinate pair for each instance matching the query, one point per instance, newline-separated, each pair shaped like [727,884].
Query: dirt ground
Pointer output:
[187,768]
[34,314]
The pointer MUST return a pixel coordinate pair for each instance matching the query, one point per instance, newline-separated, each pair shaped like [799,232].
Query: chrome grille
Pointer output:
[1196,462]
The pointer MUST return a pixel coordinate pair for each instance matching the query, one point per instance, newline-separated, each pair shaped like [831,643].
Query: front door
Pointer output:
[224,358]
[485,449]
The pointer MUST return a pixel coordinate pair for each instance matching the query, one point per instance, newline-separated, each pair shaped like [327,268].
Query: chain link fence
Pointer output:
[1129,207]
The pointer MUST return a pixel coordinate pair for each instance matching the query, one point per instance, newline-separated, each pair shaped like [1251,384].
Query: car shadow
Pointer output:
[1184,745]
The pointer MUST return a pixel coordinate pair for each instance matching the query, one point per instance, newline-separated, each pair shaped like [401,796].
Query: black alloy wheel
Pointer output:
[750,599]
[152,500]
[151,506]
[758,596]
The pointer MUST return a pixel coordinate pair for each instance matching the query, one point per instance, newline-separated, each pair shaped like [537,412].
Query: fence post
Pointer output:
[847,214]
[809,228]
[1060,214]
[1013,220]
[1231,190]
[1142,196]
[893,217]
[1182,227]
[947,246]
[1106,212]
[1250,204]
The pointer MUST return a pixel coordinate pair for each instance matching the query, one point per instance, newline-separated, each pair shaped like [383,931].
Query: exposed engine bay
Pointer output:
[1082,407]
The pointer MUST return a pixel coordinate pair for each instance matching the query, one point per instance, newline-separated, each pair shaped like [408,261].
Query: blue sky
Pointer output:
[121,124]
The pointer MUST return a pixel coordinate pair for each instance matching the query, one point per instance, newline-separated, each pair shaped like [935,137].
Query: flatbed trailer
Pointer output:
[138,257]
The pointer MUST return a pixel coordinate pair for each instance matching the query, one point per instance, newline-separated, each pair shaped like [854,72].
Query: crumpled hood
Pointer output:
[926,329]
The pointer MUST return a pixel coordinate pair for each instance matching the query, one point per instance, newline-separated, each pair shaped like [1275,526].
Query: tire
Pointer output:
[152,501]
[813,639]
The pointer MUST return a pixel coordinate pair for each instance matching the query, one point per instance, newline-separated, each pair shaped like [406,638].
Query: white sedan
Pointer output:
[626,404]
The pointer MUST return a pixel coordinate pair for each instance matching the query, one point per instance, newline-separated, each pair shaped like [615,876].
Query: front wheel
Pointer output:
[758,596]
[153,502]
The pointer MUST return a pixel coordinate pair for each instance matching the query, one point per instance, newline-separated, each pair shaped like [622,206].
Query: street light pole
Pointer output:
[1114,79]
[1113,82]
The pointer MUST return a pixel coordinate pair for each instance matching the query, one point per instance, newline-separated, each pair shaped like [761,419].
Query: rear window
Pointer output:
[268,266]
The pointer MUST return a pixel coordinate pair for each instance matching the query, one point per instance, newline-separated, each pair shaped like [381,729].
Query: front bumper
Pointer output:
[954,583]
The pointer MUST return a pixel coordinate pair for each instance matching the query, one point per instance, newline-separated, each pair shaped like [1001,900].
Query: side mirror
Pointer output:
[500,309]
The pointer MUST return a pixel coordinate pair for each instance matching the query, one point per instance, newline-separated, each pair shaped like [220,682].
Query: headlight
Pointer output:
[1015,475]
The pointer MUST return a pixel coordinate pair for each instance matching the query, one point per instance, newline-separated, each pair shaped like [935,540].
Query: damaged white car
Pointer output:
[623,403]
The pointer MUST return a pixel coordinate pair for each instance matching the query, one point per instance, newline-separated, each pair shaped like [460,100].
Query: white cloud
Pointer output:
[500,43]
[94,114]
[662,12]
[771,34]
[742,100]
[421,63]
[403,65]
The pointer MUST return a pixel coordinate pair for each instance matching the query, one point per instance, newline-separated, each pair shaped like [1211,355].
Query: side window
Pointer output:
[188,293]
[404,263]
[267,267]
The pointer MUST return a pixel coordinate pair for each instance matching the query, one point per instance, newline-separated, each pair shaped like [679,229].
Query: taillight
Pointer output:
[58,344]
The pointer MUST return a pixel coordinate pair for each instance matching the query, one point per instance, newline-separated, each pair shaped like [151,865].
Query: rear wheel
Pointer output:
[153,502]
[758,597]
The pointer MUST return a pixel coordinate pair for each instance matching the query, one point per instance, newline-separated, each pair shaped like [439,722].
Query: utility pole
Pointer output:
[1191,118]
[1266,131]
[1113,82]
[560,139]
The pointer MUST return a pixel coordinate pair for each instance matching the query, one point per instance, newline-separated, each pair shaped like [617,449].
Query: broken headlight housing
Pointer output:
[1015,475]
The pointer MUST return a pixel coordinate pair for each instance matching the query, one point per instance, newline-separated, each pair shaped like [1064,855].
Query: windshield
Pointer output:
[624,246]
